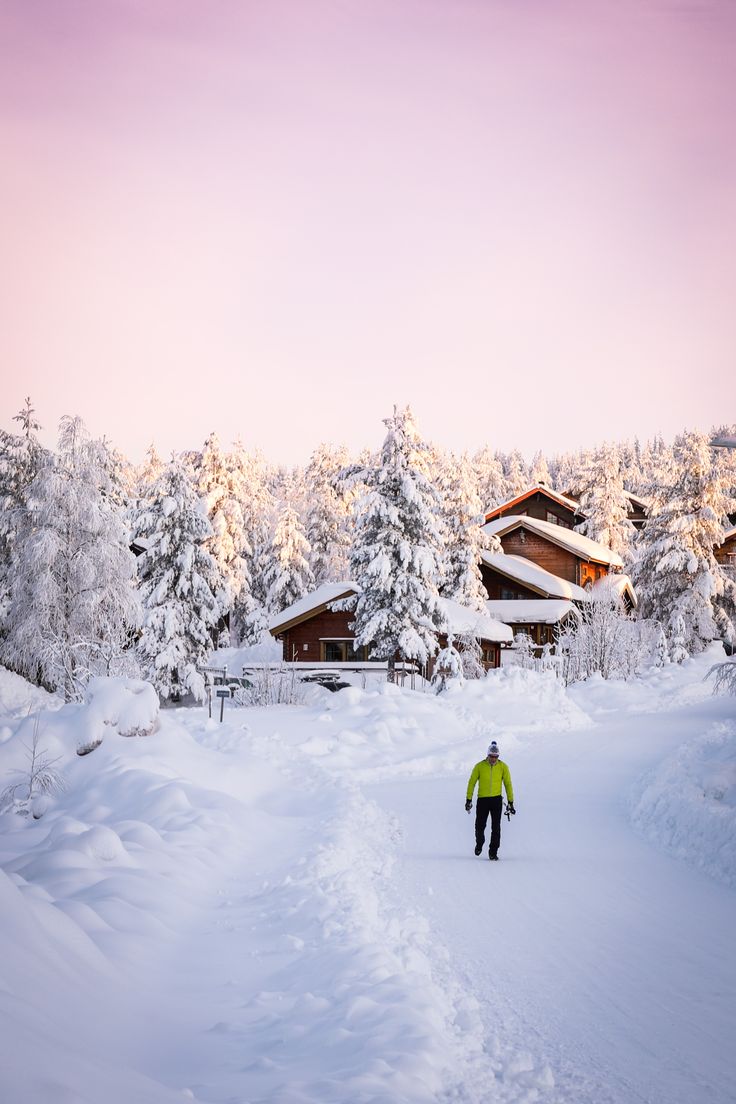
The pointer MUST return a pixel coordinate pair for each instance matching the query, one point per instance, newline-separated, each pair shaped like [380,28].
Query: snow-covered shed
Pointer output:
[312,630]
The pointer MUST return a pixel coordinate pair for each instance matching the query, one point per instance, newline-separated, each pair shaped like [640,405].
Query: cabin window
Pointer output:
[552,518]
[507,594]
[342,651]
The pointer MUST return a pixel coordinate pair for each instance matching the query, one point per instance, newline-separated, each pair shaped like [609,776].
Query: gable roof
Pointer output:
[538,488]
[459,619]
[582,547]
[531,575]
[310,605]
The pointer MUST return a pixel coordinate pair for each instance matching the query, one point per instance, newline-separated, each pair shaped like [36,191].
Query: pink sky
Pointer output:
[276,220]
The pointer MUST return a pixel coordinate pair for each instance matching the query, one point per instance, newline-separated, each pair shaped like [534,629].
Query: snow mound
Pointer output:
[18,697]
[687,806]
[130,706]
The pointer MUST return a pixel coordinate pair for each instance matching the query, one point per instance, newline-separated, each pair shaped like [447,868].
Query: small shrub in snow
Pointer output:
[271,686]
[36,783]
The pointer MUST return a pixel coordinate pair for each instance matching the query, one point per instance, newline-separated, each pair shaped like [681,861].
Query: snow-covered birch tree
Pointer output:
[395,559]
[21,456]
[178,579]
[72,602]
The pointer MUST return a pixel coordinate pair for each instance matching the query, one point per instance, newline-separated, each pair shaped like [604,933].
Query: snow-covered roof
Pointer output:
[462,620]
[583,547]
[530,611]
[532,575]
[310,603]
[729,534]
[563,500]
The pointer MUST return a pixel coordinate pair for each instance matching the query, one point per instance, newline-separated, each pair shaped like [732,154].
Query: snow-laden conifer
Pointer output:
[676,572]
[251,487]
[395,559]
[517,474]
[72,603]
[604,502]
[328,515]
[463,535]
[490,480]
[228,543]
[289,576]
[540,473]
[178,579]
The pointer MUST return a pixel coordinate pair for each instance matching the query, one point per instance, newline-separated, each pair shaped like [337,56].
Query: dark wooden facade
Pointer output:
[541,504]
[498,586]
[552,557]
[326,637]
[323,638]
[726,552]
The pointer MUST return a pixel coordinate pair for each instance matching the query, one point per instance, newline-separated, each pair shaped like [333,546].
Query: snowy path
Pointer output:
[586,947]
[285,908]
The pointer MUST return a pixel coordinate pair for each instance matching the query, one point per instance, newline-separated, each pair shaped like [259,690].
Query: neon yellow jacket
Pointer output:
[489,779]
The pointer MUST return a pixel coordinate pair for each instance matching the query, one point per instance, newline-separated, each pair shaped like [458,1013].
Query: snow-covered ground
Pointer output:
[286,907]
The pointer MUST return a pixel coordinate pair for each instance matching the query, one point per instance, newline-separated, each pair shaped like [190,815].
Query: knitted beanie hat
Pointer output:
[493,749]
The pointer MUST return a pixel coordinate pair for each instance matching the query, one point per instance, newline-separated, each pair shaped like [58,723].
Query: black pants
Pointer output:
[484,806]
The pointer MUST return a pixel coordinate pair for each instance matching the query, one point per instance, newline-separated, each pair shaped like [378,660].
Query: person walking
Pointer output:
[490,774]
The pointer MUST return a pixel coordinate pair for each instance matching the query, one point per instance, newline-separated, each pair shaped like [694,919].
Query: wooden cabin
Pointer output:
[313,631]
[543,574]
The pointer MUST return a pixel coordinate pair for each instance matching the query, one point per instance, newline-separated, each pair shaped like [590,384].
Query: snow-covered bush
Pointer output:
[603,640]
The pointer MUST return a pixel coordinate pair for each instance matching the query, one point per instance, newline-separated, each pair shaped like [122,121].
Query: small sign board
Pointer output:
[223,692]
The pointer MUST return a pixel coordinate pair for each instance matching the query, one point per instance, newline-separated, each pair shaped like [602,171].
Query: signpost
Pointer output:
[222,693]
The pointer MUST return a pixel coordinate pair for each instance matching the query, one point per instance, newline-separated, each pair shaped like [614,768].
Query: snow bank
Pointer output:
[687,806]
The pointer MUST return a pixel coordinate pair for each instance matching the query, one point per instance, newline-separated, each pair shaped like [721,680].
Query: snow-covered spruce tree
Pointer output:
[328,515]
[251,488]
[72,605]
[395,559]
[517,475]
[21,456]
[289,576]
[178,580]
[491,482]
[676,573]
[463,535]
[217,487]
[605,503]
[540,473]
[148,472]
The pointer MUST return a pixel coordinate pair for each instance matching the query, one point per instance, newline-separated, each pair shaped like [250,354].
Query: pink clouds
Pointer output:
[200,201]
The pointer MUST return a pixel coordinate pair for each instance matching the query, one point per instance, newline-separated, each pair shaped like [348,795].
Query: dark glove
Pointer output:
[468,805]
[512,810]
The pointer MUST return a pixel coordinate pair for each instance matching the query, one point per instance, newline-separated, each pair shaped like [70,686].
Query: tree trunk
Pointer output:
[391,669]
